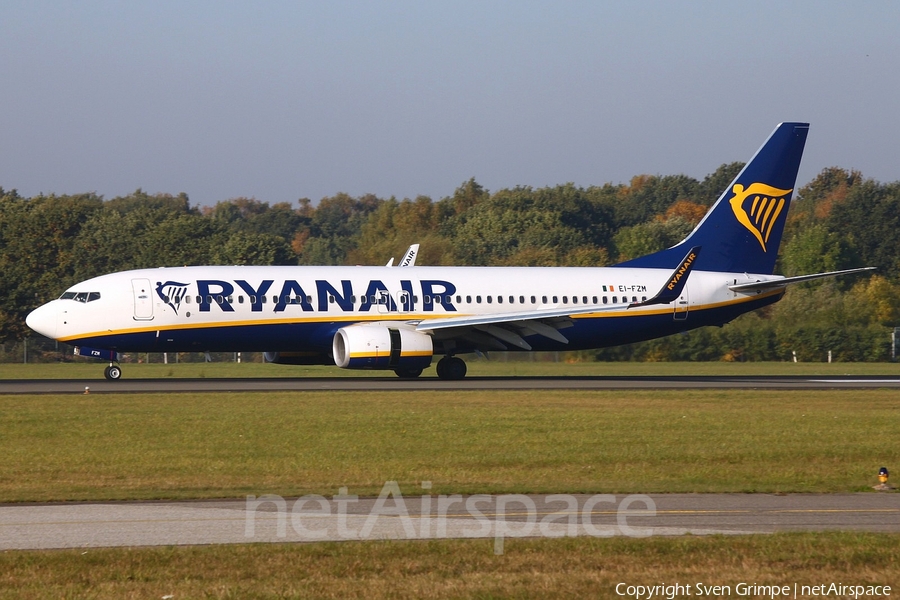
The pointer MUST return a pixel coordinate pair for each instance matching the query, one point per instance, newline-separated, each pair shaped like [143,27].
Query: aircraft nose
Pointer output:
[43,320]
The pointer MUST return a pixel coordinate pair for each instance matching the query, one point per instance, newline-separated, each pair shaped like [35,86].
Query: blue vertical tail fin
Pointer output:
[742,231]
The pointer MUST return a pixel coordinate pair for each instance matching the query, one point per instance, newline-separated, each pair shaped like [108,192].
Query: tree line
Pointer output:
[839,220]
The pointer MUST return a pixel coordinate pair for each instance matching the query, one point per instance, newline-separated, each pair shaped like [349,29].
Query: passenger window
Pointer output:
[489,299]
[643,298]
[533,300]
[478,299]
[615,299]
[595,300]
[499,299]
[565,299]
[468,299]
[521,299]
[604,299]
[544,299]
[209,300]
[512,299]
[584,299]
[262,299]
[459,299]
[187,299]
[555,299]
[252,299]
[240,299]
[437,299]
[574,299]
[331,299]
[427,299]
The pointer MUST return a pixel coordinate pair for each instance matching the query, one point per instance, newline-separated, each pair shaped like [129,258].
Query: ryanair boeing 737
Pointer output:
[399,319]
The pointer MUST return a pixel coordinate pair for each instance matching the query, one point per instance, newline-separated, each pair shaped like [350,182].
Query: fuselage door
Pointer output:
[143,299]
[681,305]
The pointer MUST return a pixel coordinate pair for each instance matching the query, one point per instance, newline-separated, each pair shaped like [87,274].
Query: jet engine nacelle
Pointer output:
[381,346]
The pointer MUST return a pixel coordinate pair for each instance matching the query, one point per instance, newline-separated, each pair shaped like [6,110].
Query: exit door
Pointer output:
[681,306]
[143,299]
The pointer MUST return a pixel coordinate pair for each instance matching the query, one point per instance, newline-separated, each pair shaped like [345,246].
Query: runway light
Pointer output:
[883,480]
[87,390]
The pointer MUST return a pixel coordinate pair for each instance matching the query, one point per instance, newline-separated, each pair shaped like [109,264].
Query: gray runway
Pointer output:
[273,519]
[69,386]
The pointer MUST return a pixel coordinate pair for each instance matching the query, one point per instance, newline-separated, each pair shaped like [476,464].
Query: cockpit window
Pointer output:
[80,296]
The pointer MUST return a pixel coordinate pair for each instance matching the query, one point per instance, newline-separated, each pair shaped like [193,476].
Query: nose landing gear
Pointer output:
[113,372]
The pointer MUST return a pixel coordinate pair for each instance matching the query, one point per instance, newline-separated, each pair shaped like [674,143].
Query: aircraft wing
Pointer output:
[511,326]
[771,284]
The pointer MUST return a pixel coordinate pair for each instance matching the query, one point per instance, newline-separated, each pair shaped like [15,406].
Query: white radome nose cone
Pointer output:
[43,320]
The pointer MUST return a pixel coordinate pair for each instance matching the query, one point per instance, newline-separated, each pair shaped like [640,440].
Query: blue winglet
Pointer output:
[673,287]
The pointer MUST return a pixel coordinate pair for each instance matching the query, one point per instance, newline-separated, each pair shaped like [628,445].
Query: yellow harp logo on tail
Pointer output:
[766,203]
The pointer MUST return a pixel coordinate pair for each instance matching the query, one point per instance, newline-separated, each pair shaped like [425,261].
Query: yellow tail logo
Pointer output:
[767,203]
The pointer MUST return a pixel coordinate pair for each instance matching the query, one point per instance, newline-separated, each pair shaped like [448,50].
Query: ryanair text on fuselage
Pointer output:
[210,292]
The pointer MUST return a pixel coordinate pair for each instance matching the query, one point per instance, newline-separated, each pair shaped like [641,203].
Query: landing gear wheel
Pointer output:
[408,373]
[113,373]
[451,368]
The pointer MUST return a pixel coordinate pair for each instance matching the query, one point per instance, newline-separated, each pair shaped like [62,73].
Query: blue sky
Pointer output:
[281,100]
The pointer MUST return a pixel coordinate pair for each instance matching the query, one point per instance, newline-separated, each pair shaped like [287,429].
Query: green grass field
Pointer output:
[497,366]
[558,568]
[144,446]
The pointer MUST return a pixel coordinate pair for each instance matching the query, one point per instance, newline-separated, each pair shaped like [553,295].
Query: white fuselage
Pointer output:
[246,308]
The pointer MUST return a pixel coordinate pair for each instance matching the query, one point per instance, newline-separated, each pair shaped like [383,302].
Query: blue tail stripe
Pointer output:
[742,231]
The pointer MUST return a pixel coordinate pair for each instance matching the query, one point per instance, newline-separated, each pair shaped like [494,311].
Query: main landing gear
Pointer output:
[408,373]
[113,372]
[451,368]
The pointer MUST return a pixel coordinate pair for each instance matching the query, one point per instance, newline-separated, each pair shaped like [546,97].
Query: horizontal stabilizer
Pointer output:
[771,284]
